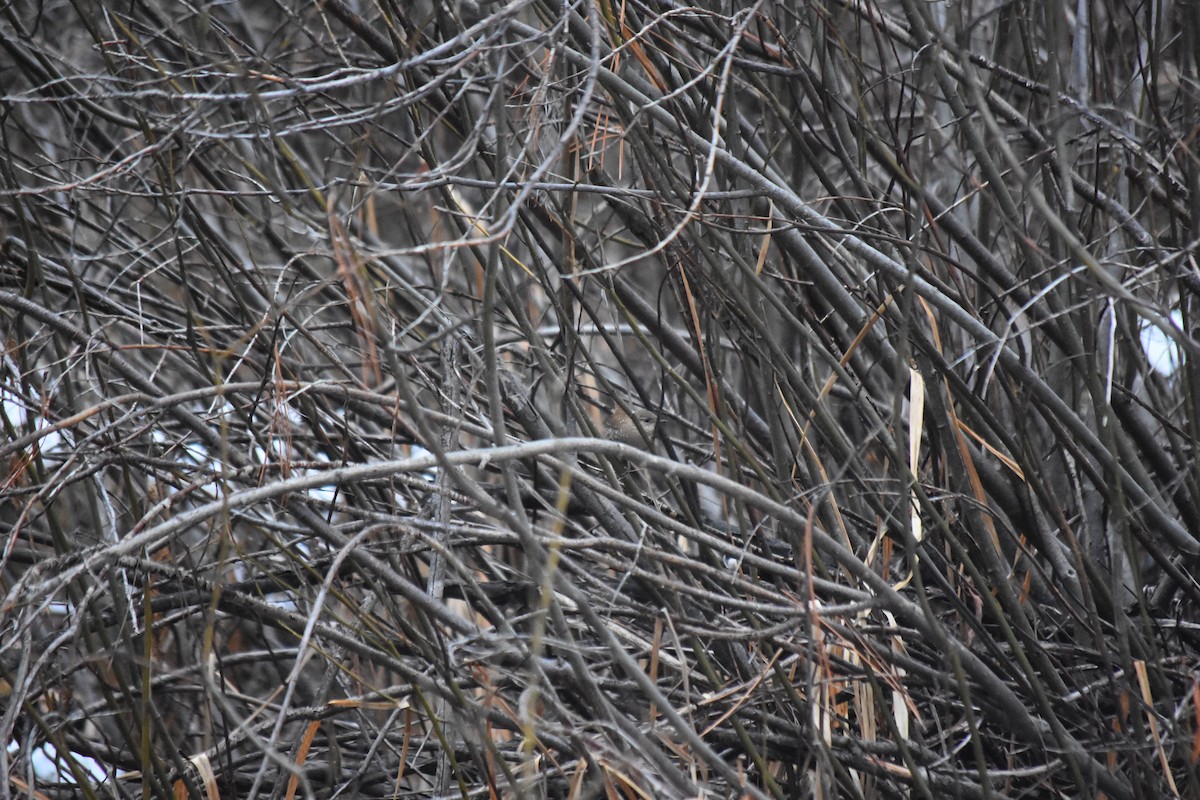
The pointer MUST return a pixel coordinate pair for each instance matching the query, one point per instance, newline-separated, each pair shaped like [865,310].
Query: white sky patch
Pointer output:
[18,412]
[48,766]
[1162,351]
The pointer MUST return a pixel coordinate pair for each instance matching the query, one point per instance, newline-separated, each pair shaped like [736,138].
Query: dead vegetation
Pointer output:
[315,315]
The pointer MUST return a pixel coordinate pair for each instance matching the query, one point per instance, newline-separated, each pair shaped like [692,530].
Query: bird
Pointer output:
[620,426]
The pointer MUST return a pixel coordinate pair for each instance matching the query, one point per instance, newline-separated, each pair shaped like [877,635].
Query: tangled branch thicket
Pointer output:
[599,400]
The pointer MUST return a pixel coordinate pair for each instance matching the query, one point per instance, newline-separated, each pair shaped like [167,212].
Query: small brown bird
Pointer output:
[619,426]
